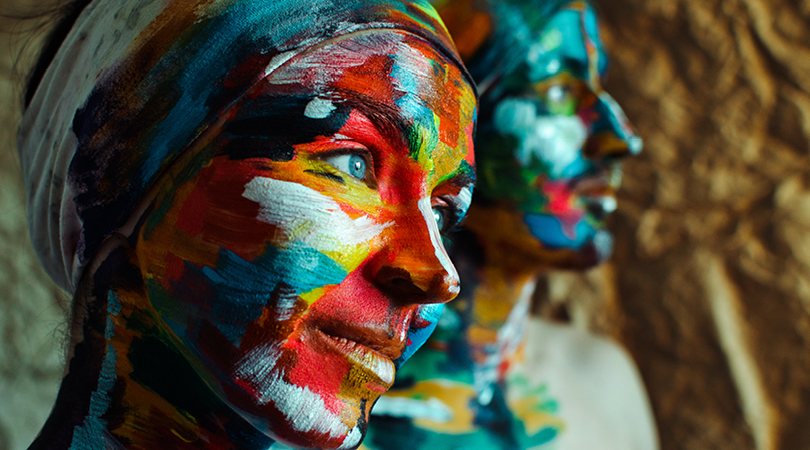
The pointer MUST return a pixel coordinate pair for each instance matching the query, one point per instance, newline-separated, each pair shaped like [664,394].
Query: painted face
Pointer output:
[297,253]
[549,145]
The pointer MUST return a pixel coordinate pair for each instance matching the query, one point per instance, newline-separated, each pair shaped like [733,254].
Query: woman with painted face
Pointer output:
[548,147]
[247,200]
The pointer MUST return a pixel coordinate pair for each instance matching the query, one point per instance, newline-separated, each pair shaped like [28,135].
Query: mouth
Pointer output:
[596,193]
[363,353]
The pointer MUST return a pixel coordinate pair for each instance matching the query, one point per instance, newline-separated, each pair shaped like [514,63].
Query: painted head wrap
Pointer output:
[495,36]
[137,81]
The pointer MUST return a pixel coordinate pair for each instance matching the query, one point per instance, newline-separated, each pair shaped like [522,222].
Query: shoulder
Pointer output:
[599,390]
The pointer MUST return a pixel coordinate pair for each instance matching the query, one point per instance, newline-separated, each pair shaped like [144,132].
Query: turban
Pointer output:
[137,81]
[495,36]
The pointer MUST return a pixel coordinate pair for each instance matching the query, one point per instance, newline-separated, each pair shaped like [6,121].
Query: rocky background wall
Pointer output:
[32,314]
[709,288]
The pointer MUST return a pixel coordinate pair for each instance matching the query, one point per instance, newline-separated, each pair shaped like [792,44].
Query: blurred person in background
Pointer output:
[548,147]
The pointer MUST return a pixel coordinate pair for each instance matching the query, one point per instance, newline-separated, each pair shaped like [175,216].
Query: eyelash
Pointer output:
[451,208]
[453,217]
[336,160]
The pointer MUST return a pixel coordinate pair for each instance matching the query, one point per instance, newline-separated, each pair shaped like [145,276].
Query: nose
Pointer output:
[612,136]
[414,266]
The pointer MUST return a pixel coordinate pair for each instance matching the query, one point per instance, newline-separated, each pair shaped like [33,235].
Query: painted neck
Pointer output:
[128,385]
[502,268]
[496,315]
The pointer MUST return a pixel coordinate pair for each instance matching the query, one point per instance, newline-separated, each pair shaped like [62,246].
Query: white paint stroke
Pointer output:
[305,410]
[305,215]
[319,108]
[555,140]
[431,409]
[435,239]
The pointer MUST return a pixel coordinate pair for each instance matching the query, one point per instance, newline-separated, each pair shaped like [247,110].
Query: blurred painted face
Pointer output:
[549,145]
[297,255]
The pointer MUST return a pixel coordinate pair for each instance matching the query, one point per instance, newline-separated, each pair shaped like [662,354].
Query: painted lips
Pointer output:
[380,367]
[596,192]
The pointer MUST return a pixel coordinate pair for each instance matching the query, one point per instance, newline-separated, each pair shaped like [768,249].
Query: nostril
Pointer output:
[388,274]
[405,288]
[606,145]
[401,285]
[397,281]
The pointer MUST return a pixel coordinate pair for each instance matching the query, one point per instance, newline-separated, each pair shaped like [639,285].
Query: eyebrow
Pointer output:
[388,122]
[462,177]
[382,116]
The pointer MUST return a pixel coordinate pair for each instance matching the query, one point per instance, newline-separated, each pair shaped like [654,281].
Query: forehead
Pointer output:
[400,82]
[569,43]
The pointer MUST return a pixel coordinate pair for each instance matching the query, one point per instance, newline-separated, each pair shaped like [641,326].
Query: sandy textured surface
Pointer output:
[709,288]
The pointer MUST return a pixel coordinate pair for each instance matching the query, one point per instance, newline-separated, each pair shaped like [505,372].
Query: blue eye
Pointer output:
[357,167]
[440,216]
[352,164]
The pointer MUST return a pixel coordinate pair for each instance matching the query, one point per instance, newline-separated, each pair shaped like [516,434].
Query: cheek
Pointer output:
[247,207]
[204,215]
[558,233]
[220,216]
[561,217]
[303,217]
[560,201]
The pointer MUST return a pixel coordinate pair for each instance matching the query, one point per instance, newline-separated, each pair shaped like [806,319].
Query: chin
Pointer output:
[306,394]
[300,420]
[350,441]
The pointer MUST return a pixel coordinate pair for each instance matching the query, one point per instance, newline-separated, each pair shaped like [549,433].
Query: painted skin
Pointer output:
[298,262]
[548,147]
[285,265]
[302,254]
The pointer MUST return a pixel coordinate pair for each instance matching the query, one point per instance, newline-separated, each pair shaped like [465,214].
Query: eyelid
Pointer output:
[457,205]
[370,177]
[452,215]
[563,80]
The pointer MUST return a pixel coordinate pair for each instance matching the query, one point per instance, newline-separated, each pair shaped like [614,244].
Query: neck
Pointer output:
[495,319]
[128,385]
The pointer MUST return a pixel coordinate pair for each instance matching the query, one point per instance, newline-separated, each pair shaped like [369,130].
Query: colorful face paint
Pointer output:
[251,195]
[549,144]
[466,387]
[135,82]
[298,255]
